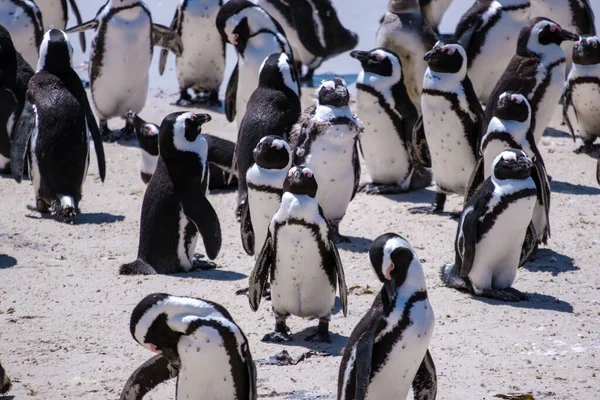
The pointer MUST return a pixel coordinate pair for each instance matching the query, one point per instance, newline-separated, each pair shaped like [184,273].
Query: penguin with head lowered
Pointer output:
[537,71]
[52,132]
[255,35]
[122,47]
[491,231]
[388,116]
[300,260]
[387,352]
[23,19]
[175,208]
[56,13]
[196,341]
[272,161]
[5,383]
[452,121]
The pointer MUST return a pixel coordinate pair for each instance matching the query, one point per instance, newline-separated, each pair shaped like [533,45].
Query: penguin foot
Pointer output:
[184,102]
[588,148]
[335,233]
[202,265]
[432,209]
[508,294]
[208,98]
[375,188]
[277,337]
[128,132]
[40,206]
[106,134]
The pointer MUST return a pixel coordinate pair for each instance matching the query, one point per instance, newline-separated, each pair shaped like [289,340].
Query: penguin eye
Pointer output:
[554,27]
[378,57]
[449,50]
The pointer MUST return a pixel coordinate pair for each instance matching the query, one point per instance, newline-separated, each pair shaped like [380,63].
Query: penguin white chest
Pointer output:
[544,111]
[263,205]
[148,162]
[188,237]
[22,30]
[586,100]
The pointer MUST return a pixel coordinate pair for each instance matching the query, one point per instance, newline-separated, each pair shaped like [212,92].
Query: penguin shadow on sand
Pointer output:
[549,261]
[217,274]
[7,397]
[356,244]
[421,196]
[569,188]
[537,301]
[7,261]
[83,218]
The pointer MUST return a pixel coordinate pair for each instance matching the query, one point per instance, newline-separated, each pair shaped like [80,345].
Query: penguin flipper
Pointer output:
[167,39]
[542,184]
[302,12]
[465,249]
[567,103]
[341,277]
[356,168]
[231,95]
[260,274]
[598,171]
[476,179]
[96,136]
[251,372]
[425,382]
[364,360]
[419,142]
[246,229]
[148,375]
[164,53]
[20,140]
[199,210]
[93,24]
[78,18]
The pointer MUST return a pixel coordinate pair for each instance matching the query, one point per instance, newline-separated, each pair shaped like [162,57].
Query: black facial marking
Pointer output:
[587,51]
[243,32]
[143,306]
[509,109]
[270,157]
[372,62]
[301,181]
[337,96]
[401,257]
[444,59]
[508,168]
[58,57]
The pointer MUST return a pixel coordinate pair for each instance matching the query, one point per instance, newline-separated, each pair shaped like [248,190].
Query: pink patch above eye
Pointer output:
[554,27]
[517,99]
[278,147]
[308,174]
[378,57]
[291,171]
[235,38]
[154,349]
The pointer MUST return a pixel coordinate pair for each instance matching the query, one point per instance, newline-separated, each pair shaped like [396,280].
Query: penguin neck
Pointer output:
[299,206]
[325,113]
[585,70]
[444,81]
[548,54]
[518,130]
[381,84]
[415,282]
[123,3]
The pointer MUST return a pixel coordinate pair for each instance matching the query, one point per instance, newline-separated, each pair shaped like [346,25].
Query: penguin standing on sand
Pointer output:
[273,108]
[124,39]
[388,117]
[272,161]
[52,132]
[23,19]
[255,35]
[299,235]
[452,121]
[488,32]
[202,62]
[5,383]
[387,352]
[175,200]
[492,229]
[324,140]
[56,13]
[537,71]
[196,341]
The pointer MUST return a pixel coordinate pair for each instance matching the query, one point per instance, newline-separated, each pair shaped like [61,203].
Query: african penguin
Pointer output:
[56,13]
[488,32]
[202,62]
[255,35]
[23,19]
[122,47]
[52,132]
[433,11]
[175,208]
[196,341]
[492,229]
[582,91]
[388,116]
[387,352]
[452,121]
[537,71]
[147,136]
[325,140]
[5,383]
[273,108]
[407,33]
[299,235]
[272,161]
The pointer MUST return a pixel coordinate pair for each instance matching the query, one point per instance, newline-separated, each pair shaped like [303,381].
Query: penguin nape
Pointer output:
[56,13]
[196,341]
[122,47]
[388,116]
[387,352]
[255,36]
[582,92]
[52,132]
[272,161]
[202,61]
[5,383]
[452,122]
[299,235]
[23,19]
[273,108]
[537,71]
[492,229]
[488,32]
[175,208]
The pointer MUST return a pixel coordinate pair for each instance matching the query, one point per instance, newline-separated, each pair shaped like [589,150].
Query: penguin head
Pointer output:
[511,164]
[540,35]
[146,133]
[237,20]
[56,52]
[334,93]
[301,180]
[181,132]
[277,72]
[447,57]
[272,152]
[8,59]
[403,6]
[381,62]
[513,106]
[587,50]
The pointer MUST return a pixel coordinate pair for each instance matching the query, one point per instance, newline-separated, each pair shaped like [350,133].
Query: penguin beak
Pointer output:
[203,118]
[524,163]
[429,55]
[566,35]
[362,56]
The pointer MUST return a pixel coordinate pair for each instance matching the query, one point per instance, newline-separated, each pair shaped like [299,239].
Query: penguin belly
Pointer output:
[188,237]
[387,159]
[52,14]
[300,285]
[548,101]
[263,206]
[22,31]
[586,100]
[498,252]
[122,81]
[202,63]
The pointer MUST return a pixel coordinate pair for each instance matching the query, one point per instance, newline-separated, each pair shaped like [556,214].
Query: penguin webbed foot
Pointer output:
[40,206]
[105,133]
[335,233]
[202,265]
[377,188]
[437,207]
[281,333]
[209,98]
[508,294]
[588,147]
[322,333]
[128,131]
[185,100]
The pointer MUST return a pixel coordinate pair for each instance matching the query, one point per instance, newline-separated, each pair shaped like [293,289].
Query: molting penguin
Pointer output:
[53,131]
[299,235]
[175,200]
[492,229]
[387,352]
[272,161]
[582,91]
[5,383]
[56,13]
[202,62]
[198,342]
[255,35]
[537,71]
[23,19]
[122,46]
[388,116]
[325,141]
[273,109]
[407,33]
[452,121]
[488,32]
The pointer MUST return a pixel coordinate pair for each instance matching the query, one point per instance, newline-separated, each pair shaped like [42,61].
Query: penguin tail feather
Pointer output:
[64,208]
[450,277]
[138,267]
